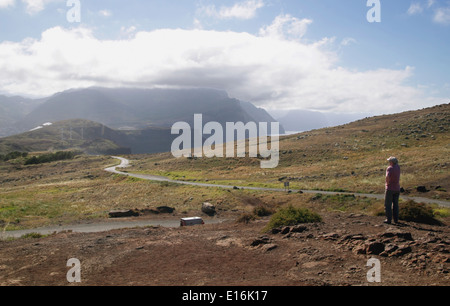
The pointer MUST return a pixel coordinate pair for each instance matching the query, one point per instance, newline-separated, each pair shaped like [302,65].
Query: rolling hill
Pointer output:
[350,157]
[88,136]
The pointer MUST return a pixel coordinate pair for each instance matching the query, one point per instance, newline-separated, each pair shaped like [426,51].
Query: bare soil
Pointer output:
[334,252]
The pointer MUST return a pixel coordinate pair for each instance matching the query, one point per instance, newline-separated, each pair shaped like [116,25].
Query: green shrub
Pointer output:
[32,236]
[417,212]
[51,157]
[246,218]
[13,155]
[262,211]
[287,216]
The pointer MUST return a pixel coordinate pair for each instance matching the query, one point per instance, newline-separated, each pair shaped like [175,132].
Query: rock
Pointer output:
[353,237]
[298,229]
[147,211]
[285,230]
[375,248]
[208,209]
[276,230]
[399,235]
[260,240]
[165,209]
[421,189]
[405,236]
[123,213]
[158,210]
[330,236]
[269,247]
[402,250]
[359,249]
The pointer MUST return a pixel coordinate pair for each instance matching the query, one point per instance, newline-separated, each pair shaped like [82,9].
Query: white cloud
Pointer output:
[415,8]
[241,10]
[6,3]
[272,70]
[442,15]
[31,6]
[36,6]
[105,13]
[127,32]
[286,25]
[197,24]
[348,41]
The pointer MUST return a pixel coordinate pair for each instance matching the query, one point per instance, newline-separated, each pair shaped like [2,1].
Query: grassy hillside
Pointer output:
[350,157]
[83,135]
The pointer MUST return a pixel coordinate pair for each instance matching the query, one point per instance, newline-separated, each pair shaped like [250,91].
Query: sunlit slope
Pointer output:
[350,157]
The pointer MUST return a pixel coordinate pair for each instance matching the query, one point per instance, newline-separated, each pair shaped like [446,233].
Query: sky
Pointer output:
[376,56]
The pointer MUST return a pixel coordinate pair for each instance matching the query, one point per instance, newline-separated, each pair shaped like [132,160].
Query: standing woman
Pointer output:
[392,190]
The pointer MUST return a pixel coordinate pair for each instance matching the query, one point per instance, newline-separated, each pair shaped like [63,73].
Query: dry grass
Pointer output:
[350,158]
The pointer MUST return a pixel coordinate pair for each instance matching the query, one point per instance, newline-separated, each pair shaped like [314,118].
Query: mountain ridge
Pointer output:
[138,109]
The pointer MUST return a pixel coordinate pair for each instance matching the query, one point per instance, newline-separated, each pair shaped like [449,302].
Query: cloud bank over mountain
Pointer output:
[275,69]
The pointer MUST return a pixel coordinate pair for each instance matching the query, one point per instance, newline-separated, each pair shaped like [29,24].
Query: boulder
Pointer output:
[375,248]
[285,230]
[123,213]
[269,247]
[260,240]
[208,209]
[330,236]
[402,250]
[422,189]
[389,249]
[298,229]
[165,209]
[398,235]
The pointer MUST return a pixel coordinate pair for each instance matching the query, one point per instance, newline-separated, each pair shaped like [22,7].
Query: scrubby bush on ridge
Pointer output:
[46,158]
[13,155]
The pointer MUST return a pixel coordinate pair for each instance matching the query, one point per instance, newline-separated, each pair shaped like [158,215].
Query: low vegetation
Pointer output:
[417,212]
[51,157]
[411,211]
[32,236]
[346,158]
[350,158]
[13,155]
[290,215]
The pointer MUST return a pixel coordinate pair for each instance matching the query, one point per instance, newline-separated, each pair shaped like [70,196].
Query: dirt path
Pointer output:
[96,227]
[125,163]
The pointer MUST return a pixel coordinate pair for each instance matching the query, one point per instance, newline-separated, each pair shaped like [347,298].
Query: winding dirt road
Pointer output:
[125,163]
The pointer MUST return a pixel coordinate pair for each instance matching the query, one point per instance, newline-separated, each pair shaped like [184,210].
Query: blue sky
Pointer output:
[314,54]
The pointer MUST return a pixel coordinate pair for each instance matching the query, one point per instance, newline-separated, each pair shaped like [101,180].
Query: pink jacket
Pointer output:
[393,178]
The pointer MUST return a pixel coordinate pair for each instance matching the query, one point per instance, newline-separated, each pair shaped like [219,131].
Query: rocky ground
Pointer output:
[334,252]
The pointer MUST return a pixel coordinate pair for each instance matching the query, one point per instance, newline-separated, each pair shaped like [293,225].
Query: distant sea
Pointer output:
[286,133]
[292,132]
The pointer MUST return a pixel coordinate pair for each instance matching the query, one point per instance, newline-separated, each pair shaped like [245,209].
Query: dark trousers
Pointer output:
[391,205]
